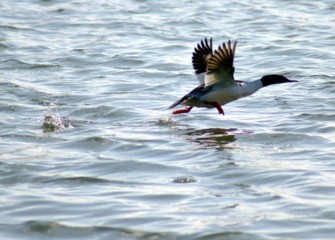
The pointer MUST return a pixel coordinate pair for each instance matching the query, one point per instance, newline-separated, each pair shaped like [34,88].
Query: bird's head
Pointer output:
[275,79]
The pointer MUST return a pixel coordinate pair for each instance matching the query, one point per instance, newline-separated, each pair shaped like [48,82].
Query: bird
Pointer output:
[215,72]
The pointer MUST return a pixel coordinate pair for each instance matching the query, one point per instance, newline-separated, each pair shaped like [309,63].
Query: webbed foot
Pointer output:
[186,110]
[218,107]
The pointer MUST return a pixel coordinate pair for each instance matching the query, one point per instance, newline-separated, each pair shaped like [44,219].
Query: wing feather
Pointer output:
[220,66]
[200,57]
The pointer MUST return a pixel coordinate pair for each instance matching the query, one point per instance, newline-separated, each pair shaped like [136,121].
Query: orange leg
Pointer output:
[218,107]
[186,110]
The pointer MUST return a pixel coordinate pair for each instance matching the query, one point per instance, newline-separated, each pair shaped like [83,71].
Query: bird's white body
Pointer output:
[224,95]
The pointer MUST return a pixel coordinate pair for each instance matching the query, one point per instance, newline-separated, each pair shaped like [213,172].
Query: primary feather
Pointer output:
[200,57]
[220,66]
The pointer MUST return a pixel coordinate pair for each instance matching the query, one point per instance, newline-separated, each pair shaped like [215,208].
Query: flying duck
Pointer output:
[215,72]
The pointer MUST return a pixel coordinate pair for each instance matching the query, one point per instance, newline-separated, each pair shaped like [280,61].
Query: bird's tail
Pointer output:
[178,102]
[175,104]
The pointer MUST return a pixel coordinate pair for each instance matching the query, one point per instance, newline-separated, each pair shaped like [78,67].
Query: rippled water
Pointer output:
[114,164]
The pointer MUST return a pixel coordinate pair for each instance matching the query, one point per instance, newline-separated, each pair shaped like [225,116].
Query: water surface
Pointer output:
[119,166]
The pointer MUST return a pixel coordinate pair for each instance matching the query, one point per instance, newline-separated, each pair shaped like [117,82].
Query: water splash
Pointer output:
[166,121]
[184,179]
[52,121]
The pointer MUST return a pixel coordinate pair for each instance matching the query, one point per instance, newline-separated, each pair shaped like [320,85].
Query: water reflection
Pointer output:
[218,138]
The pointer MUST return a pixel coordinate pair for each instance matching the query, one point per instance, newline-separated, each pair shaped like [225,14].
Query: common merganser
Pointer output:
[215,72]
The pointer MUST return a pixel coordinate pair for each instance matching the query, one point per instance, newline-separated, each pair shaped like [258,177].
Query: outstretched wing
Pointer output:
[220,66]
[201,55]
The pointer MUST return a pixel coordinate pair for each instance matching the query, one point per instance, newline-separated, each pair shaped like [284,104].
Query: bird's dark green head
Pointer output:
[274,79]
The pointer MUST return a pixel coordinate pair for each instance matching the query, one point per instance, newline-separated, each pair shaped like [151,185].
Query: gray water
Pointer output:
[117,165]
